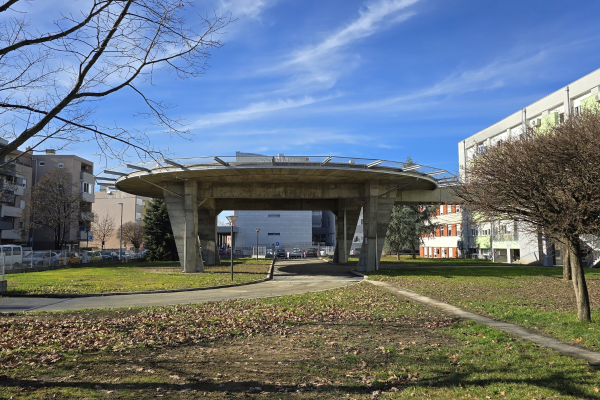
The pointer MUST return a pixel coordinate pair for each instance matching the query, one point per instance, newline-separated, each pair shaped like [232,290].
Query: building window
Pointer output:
[442,230]
[274,234]
[138,216]
[25,183]
[480,148]
[41,164]
[457,208]
[61,165]
[274,216]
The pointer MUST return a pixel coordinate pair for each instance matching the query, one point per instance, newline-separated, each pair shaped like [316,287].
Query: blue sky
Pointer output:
[375,79]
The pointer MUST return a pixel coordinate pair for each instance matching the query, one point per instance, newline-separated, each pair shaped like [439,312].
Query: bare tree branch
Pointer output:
[50,82]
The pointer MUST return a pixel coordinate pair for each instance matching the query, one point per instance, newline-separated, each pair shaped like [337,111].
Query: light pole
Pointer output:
[121,238]
[257,230]
[232,219]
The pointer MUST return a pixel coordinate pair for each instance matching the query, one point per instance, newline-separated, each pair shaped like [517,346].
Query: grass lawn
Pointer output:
[407,260]
[131,277]
[530,296]
[358,342]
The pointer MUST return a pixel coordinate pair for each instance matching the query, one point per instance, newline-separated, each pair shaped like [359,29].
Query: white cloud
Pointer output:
[370,21]
[244,8]
[273,141]
[320,66]
[252,111]
[494,75]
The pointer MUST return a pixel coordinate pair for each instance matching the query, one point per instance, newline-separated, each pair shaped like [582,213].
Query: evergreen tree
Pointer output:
[407,226]
[159,239]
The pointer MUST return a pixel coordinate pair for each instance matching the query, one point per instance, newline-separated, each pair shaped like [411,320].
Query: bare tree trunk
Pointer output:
[579,284]
[398,254]
[566,262]
[412,248]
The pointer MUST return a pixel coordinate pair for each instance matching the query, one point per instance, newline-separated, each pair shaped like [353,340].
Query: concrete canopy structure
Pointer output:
[197,190]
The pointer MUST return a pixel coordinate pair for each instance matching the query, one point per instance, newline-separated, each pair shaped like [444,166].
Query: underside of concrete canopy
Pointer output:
[197,190]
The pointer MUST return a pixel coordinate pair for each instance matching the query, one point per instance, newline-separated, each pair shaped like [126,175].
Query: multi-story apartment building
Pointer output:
[446,240]
[505,240]
[82,172]
[107,204]
[15,181]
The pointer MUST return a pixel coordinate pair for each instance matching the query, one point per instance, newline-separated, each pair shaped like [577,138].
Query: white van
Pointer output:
[11,255]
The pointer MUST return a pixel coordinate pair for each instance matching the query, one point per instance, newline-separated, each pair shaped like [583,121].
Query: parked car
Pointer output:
[323,253]
[12,256]
[354,252]
[296,253]
[269,254]
[280,253]
[310,252]
[95,256]
[108,255]
[224,252]
[41,259]
[69,258]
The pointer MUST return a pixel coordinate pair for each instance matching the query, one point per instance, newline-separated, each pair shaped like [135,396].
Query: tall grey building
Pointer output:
[288,228]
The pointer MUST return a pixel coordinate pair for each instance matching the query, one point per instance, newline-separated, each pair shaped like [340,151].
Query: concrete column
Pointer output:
[377,212]
[342,250]
[183,213]
[207,231]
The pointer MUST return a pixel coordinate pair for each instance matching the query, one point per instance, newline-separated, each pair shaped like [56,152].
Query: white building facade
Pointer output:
[503,240]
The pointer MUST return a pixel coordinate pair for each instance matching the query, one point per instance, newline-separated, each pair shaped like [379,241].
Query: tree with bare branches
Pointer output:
[55,205]
[132,233]
[549,181]
[52,79]
[103,227]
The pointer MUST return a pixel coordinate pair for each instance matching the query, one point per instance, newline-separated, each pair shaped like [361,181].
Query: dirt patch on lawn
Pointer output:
[313,360]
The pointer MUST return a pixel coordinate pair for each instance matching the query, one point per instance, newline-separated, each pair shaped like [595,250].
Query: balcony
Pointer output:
[9,170]
[87,197]
[86,216]
[10,234]
[9,211]
[85,177]
[5,225]
[10,188]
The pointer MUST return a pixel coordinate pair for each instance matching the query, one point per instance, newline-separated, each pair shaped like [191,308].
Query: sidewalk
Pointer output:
[592,357]
[290,277]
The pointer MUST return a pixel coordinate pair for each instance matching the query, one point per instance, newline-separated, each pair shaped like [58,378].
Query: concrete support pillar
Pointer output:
[377,212]
[350,216]
[207,231]
[183,213]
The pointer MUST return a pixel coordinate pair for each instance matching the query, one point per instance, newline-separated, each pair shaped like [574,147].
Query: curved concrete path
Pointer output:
[289,277]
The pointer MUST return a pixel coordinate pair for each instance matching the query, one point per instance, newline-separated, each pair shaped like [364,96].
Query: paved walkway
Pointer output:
[290,277]
[590,356]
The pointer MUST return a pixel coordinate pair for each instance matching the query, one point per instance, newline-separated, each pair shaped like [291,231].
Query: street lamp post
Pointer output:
[232,219]
[257,230]
[121,238]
